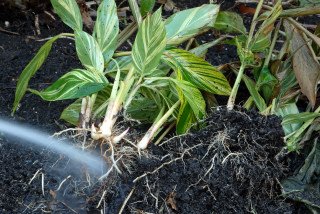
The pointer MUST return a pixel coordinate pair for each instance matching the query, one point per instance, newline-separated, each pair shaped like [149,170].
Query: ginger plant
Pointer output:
[156,82]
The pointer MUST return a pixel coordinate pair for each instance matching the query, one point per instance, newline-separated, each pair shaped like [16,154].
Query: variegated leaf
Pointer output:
[31,69]
[71,114]
[149,44]
[74,84]
[106,28]
[186,24]
[69,13]
[186,118]
[89,52]
[191,95]
[197,71]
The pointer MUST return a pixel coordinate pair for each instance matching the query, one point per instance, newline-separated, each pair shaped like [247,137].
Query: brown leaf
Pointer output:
[305,67]
[171,201]
[169,5]
[87,20]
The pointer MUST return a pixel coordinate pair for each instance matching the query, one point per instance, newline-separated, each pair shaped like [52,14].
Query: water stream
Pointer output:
[31,135]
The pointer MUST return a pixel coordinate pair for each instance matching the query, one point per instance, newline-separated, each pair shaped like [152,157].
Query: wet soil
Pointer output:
[235,173]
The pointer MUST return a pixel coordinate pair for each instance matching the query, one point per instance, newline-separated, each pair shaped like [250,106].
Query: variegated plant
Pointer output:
[156,82]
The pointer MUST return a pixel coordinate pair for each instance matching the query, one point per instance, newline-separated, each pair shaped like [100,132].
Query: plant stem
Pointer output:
[143,143]
[233,95]
[273,43]
[115,105]
[123,53]
[254,23]
[126,33]
[305,11]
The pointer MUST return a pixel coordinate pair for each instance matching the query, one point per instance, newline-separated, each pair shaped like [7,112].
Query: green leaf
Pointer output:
[258,100]
[146,6]
[74,84]
[267,83]
[197,71]
[299,118]
[202,50]
[185,119]
[188,23]
[149,44]
[192,95]
[261,44]
[143,109]
[106,28]
[89,52]
[230,22]
[69,13]
[289,109]
[303,186]
[123,63]
[30,70]
[71,114]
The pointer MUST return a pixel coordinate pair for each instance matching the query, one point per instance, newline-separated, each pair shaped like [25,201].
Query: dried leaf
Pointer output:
[171,201]
[306,68]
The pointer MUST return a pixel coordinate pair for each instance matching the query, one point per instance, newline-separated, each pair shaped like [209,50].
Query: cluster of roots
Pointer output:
[229,166]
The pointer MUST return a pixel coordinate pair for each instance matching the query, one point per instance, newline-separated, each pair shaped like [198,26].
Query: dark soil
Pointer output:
[230,166]
[245,181]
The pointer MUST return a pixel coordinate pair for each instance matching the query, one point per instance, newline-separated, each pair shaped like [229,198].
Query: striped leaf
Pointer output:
[106,28]
[149,44]
[30,70]
[71,114]
[299,118]
[189,93]
[251,86]
[186,24]
[186,118]
[69,13]
[89,52]
[197,71]
[75,84]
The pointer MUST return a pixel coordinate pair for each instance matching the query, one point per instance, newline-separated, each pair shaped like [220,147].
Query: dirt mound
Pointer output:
[229,166]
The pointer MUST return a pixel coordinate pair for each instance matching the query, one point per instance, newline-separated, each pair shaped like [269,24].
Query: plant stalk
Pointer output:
[126,33]
[115,105]
[233,95]
[143,143]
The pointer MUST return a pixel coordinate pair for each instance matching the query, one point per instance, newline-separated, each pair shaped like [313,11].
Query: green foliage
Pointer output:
[149,44]
[146,6]
[106,28]
[197,71]
[69,13]
[89,52]
[188,23]
[230,22]
[154,83]
[31,69]
[74,84]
